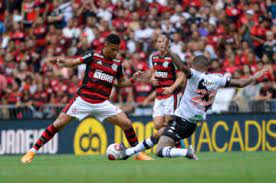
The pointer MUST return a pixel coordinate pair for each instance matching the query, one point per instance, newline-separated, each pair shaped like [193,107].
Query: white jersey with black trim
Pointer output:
[199,95]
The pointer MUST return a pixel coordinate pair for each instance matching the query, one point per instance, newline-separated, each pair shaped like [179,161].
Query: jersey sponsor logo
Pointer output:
[103,76]
[161,74]
[114,67]
[166,64]
[87,56]
[90,138]
[208,83]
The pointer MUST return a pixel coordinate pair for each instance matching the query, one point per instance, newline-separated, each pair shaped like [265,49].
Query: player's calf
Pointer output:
[165,146]
[171,152]
[142,146]
[49,133]
[125,124]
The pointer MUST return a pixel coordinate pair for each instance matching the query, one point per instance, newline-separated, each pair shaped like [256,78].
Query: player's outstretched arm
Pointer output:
[62,62]
[245,82]
[137,76]
[179,64]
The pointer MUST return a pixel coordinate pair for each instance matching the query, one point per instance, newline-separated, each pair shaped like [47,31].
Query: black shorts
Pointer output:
[179,128]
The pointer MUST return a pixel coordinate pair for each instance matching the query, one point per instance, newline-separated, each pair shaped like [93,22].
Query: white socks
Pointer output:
[33,150]
[146,144]
[172,152]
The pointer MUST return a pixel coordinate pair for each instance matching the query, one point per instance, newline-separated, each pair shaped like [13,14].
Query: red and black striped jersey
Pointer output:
[165,72]
[99,76]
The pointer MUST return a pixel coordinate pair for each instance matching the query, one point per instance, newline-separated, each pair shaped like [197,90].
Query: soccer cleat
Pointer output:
[191,153]
[142,156]
[28,157]
[124,156]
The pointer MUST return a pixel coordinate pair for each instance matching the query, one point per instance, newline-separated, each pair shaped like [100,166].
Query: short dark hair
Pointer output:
[113,38]
[202,60]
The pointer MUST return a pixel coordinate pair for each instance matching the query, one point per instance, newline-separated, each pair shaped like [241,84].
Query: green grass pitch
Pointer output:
[231,167]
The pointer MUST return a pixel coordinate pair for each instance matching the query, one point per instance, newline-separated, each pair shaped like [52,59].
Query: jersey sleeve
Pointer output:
[87,57]
[194,74]
[120,74]
[223,81]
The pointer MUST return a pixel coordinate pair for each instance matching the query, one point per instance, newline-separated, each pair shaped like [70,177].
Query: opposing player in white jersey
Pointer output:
[198,96]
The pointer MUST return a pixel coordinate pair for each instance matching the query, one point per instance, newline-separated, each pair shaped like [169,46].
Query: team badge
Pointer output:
[165,64]
[114,67]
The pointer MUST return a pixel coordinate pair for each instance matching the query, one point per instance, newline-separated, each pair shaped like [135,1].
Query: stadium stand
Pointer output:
[237,35]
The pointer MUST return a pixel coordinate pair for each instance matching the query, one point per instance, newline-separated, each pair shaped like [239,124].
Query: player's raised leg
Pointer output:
[144,145]
[169,135]
[176,130]
[62,120]
[124,122]
[165,148]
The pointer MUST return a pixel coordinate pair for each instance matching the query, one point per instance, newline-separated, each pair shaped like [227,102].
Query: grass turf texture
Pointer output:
[212,167]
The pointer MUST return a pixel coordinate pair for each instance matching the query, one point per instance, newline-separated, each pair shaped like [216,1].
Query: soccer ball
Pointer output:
[114,151]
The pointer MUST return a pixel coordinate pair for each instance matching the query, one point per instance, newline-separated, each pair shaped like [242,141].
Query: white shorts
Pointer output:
[165,107]
[80,109]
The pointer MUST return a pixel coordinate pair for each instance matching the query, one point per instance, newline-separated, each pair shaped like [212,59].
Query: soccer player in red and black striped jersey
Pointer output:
[167,80]
[92,98]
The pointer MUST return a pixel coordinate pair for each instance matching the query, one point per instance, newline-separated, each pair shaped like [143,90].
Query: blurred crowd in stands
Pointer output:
[237,35]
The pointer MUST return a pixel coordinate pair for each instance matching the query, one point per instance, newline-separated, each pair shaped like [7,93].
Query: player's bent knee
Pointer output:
[167,119]
[159,153]
[126,125]
[157,125]
[157,134]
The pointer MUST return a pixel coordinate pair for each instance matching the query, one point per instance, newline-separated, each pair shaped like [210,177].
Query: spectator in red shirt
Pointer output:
[230,65]
[17,35]
[249,27]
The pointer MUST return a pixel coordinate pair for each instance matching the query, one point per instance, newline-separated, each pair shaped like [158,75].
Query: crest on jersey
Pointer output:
[165,64]
[99,62]
[114,67]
